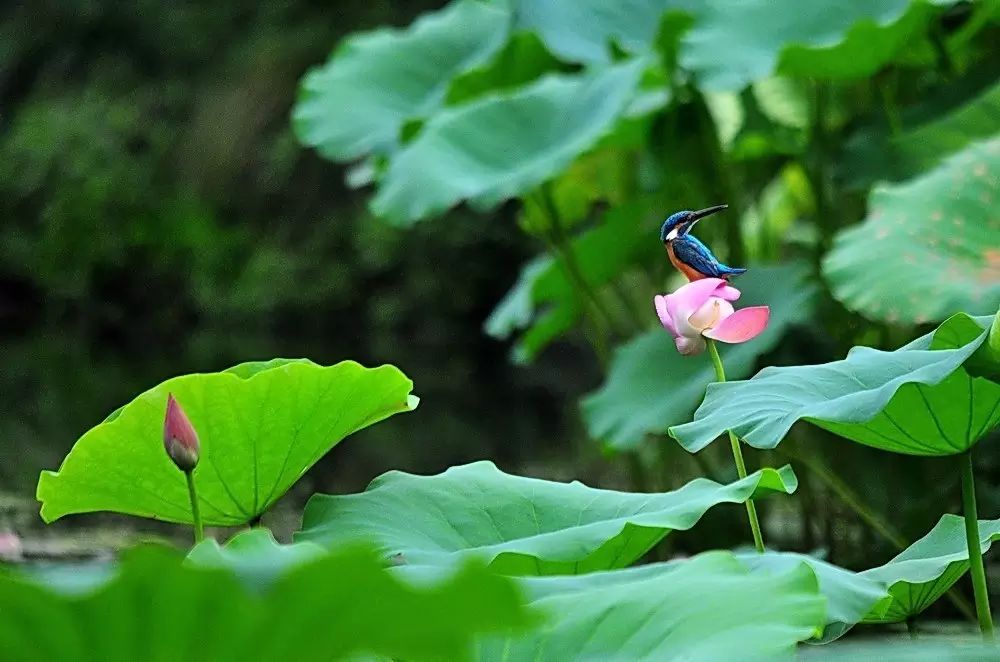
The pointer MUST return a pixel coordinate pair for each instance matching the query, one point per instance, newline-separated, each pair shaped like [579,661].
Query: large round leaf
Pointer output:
[261,426]
[708,608]
[156,607]
[733,44]
[502,145]
[651,386]
[929,247]
[922,572]
[519,525]
[584,30]
[375,82]
[254,556]
[850,596]
[916,400]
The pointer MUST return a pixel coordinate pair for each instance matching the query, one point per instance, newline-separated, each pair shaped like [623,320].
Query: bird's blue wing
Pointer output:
[692,252]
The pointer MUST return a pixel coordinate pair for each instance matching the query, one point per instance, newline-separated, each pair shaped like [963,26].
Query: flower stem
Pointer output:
[741,467]
[199,529]
[976,569]
[911,627]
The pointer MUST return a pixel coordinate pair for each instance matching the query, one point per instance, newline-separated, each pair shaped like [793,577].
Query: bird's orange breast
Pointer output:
[689,272]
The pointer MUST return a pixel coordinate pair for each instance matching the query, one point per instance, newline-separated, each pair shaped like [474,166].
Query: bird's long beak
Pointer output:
[700,214]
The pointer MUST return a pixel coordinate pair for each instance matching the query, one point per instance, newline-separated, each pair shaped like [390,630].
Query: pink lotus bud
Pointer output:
[703,309]
[179,438]
[10,546]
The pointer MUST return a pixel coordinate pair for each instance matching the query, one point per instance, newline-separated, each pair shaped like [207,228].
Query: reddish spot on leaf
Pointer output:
[990,273]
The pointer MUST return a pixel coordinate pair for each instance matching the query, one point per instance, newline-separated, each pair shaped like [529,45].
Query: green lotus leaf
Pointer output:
[519,525]
[707,608]
[929,246]
[733,44]
[261,426]
[925,570]
[584,30]
[155,606]
[358,102]
[521,61]
[650,386]
[503,145]
[254,556]
[850,596]
[916,400]
[544,302]
[926,648]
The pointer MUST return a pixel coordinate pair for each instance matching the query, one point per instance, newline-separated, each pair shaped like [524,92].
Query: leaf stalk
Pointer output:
[976,569]
[734,442]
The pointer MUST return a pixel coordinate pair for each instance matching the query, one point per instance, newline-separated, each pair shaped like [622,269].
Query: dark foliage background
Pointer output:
[160,218]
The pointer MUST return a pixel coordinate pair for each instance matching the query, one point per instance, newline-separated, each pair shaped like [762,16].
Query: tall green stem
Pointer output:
[741,467]
[199,529]
[976,569]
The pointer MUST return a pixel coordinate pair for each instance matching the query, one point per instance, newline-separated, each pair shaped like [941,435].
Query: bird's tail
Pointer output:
[731,272]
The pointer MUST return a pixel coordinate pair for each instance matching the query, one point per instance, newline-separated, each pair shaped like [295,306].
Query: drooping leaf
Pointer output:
[522,60]
[925,570]
[733,44]
[850,596]
[651,386]
[706,608]
[519,525]
[156,607]
[929,246]
[502,145]
[375,82]
[341,604]
[544,302]
[254,556]
[584,30]
[916,400]
[261,426]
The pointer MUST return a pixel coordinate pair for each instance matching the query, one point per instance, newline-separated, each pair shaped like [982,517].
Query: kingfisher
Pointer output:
[691,257]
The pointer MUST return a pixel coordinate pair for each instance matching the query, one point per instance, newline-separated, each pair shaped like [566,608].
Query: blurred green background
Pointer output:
[161,216]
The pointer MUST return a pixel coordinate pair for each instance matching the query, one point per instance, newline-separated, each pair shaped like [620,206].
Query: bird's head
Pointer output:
[681,222]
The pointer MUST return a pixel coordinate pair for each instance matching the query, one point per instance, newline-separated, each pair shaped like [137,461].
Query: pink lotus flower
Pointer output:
[179,437]
[702,309]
